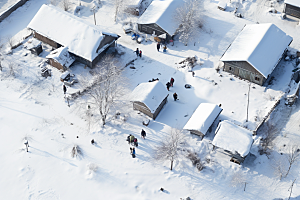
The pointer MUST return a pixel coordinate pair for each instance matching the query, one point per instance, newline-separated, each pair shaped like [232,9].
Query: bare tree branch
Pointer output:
[292,157]
[170,146]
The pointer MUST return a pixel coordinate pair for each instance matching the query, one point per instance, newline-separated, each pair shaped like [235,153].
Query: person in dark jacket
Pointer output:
[133,152]
[158,46]
[143,134]
[137,52]
[64,89]
[172,81]
[140,54]
[135,142]
[168,85]
[175,96]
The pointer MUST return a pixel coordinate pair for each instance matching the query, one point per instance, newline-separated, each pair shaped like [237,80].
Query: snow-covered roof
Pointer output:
[261,45]
[162,13]
[32,43]
[203,117]
[64,75]
[150,93]
[136,3]
[233,138]
[62,56]
[293,2]
[222,4]
[82,38]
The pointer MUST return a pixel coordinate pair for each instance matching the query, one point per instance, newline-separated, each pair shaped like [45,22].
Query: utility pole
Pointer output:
[248,102]
[93,9]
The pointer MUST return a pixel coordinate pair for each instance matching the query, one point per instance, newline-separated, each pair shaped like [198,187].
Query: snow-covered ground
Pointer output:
[33,107]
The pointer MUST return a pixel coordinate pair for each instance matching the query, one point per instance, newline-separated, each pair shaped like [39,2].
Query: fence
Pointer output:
[11,9]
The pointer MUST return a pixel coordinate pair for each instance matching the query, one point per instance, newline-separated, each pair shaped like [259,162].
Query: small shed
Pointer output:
[149,98]
[60,58]
[292,7]
[159,19]
[34,45]
[203,118]
[256,52]
[233,140]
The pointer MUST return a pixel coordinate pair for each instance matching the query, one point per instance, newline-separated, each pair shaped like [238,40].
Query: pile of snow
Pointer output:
[150,93]
[261,45]
[62,56]
[162,13]
[32,43]
[83,39]
[222,5]
[233,138]
[203,117]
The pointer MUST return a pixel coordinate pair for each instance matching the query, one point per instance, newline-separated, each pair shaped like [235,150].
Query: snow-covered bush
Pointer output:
[66,5]
[196,160]
[92,167]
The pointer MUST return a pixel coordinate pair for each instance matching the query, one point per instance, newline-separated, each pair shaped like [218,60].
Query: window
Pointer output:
[230,68]
[144,28]
[256,78]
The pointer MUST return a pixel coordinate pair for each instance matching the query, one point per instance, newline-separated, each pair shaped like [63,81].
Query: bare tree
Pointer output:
[170,146]
[291,189]
[267,141]
[76,151]
[12,69]
[66,5]
[279,168]
[292,157]
[53,2]
[119,7]
[106,86]
[189,19]
[10,41]
[238,179]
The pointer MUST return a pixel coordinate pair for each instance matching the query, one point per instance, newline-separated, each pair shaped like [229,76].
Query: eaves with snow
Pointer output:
[295,3]
[81,38]
[233,138]
[163,14]
[261,45]
[150,93]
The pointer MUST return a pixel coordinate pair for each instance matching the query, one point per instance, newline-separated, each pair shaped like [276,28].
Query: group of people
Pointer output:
[170,84]
[158,47]
[133,141]
[138,52]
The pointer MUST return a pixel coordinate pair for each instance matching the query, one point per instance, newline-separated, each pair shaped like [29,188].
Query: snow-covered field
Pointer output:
[34,108]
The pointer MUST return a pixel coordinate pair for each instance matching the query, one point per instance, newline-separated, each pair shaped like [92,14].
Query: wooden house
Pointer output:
[233,140]
[256,52]
[292,7]
[60,58]
[86,42]
[158,19]
[149,98]
[203,118]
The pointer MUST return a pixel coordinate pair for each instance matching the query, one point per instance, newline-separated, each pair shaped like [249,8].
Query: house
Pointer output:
[292,7]
[158,19]
[60,58]
[86,42]
[34,46]
[149,98]
[255,52]
[233,140]
[203,118]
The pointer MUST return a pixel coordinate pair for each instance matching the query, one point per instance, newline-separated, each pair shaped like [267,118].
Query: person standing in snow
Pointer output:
[140,54]
[172,81]
[133,152]
[168,85]
[64,88]
[175,96]
[137,52]
[158,46]
[135,142]
[165,48]
[143,134]
[131,139]
[193,73]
